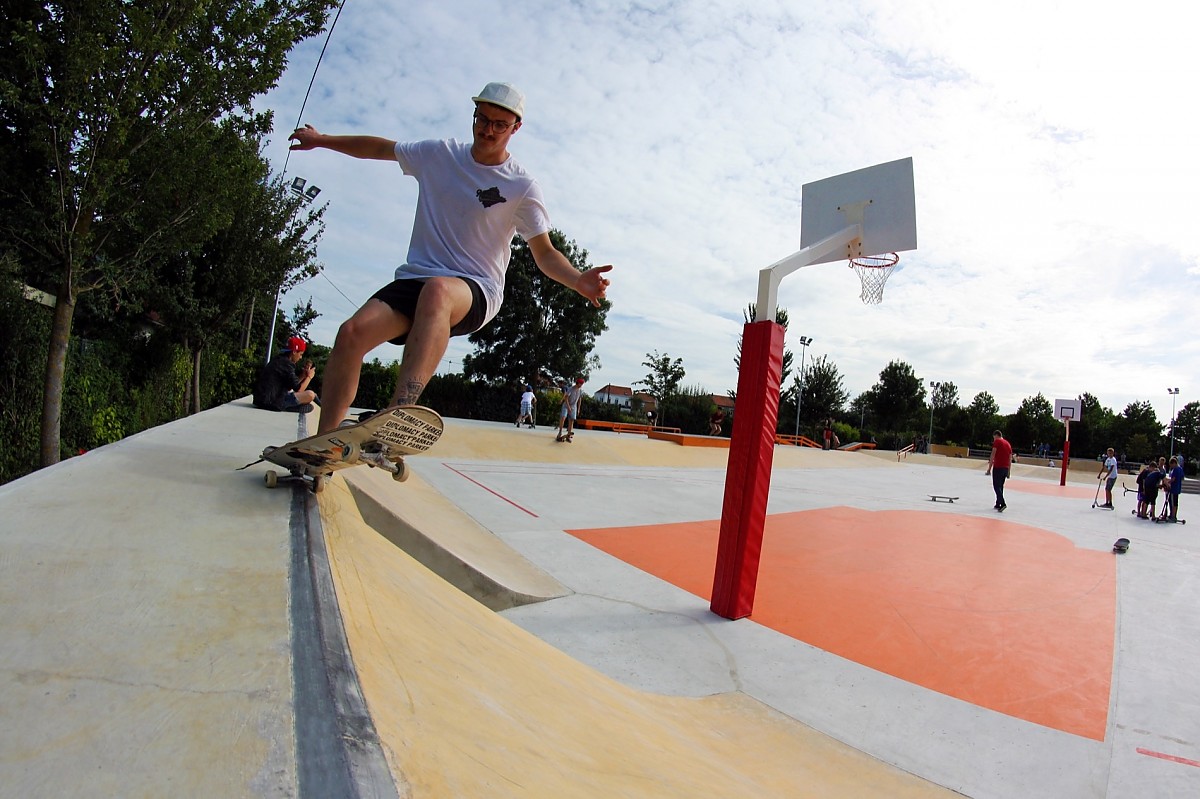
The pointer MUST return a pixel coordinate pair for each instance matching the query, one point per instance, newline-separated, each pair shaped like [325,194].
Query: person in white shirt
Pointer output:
[1110,465]
[528,400]
[473,198]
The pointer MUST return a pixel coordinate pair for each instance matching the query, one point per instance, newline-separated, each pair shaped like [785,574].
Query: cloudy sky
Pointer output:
[1055,174]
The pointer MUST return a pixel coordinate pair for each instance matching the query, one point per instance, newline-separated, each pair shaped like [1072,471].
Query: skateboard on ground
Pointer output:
[381,441]
[941,497]
[565,437]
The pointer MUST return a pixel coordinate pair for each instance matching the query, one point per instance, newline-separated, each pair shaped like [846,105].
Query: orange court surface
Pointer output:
[952,604]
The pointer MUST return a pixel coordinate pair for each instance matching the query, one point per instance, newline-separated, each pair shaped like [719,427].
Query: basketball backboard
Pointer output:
[881,197]
[1068,410]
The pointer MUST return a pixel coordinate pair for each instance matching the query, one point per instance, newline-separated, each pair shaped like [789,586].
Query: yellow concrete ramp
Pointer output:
[467,704]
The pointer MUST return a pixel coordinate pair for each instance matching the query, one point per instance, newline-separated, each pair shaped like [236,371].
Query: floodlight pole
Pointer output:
[934,386]
[1174,392]
[752,444]
[804,342]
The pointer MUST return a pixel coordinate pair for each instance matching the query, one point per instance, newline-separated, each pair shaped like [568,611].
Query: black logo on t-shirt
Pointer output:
[490,197]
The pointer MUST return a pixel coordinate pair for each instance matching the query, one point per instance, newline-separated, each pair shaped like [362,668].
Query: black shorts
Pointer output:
[401,296]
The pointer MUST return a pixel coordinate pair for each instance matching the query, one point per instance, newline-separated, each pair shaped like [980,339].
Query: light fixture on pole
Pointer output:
[935,387]
[305,196]
[1174,392]
[804,342]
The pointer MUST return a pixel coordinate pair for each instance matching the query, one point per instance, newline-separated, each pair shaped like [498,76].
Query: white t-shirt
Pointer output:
[1110,463]
[467,215]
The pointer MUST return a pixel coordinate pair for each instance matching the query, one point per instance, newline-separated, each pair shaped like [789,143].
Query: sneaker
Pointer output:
[1107,505]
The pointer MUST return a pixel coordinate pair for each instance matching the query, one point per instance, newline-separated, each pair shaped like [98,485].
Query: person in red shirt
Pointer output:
[999,464]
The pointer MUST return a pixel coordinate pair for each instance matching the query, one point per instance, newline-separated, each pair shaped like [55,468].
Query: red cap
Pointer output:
[296,344]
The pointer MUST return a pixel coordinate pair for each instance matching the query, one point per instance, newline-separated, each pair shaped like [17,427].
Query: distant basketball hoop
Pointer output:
[873,271]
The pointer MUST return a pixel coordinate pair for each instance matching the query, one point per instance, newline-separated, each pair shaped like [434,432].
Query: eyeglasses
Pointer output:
[496,125]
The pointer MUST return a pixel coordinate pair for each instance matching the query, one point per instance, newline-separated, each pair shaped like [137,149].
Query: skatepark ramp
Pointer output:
[155,645]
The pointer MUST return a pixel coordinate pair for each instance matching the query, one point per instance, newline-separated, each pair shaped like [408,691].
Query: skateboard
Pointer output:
[1121,546]
[380,441]
[940,497]
[567,437]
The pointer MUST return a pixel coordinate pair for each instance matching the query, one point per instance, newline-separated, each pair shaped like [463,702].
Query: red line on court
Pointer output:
[490,491]
[1172,758]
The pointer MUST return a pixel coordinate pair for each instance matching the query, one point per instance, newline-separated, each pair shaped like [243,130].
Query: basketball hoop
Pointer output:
[873,271]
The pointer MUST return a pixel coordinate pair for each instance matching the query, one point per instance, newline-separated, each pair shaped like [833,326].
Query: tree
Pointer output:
[897,398]
[1138,418]
[781,319]
[662,382]
[1187,428]
[982,413]
[91,90]
[264,244]
[544,331]
[823,397]
[943,397]
[1032,423]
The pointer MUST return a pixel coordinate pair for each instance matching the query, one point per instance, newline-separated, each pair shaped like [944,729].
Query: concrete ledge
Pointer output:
[445,540]
[689,440]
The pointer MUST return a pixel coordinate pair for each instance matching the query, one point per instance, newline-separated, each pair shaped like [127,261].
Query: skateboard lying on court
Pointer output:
[382,441]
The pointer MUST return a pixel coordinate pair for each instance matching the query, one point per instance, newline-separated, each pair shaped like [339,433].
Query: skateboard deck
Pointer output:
[380,441]
[941,498]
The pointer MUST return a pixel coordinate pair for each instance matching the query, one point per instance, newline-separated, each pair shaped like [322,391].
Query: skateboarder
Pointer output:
[569,410]
[1110,465]
[279,388]
[999,464]
[473,199]
[528,401]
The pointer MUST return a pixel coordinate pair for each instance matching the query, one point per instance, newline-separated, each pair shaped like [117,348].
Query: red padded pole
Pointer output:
[748,474]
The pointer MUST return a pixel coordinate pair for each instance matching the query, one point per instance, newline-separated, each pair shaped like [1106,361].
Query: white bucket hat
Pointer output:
[504,95]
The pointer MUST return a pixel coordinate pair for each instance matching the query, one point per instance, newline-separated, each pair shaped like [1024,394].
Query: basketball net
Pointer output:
[873,271]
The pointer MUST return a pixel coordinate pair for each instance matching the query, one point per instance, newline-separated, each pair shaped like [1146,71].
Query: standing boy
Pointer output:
[1174,487]
[1110,466]
[528,400]
[999,464]
[570,409]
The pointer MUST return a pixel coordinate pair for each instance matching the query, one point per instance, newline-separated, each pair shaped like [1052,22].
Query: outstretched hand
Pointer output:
[305,138]
[593,284]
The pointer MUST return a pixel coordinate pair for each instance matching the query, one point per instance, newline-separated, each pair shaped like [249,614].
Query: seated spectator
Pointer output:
[279,388]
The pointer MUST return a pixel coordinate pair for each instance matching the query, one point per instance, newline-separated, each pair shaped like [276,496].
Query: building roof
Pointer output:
[615,391]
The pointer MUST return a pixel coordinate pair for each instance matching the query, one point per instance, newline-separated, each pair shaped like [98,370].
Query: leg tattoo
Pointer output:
[409,393]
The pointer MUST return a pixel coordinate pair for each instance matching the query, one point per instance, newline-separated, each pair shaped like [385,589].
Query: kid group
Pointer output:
[1163,475]
[566,414]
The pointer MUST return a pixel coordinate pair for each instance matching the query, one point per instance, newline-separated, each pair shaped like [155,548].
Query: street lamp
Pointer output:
[804,342]
[935,387]
[305,196]
[1174,392]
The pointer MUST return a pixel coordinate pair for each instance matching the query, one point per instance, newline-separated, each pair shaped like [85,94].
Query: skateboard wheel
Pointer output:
[351,452]
[271,478]
[401,473]
[318,483]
